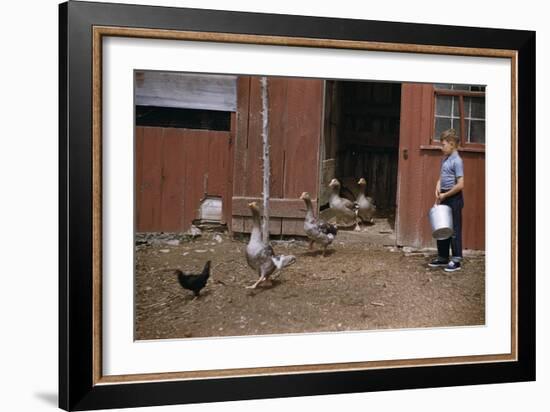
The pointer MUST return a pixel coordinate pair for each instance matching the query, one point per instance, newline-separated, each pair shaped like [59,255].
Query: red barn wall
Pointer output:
[418,175]
[175,169]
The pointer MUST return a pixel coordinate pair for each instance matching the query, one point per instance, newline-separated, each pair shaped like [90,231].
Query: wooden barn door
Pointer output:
[413,181]
[295,127]
[175,170]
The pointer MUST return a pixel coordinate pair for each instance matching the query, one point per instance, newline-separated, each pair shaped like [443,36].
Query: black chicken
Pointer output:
[194,282]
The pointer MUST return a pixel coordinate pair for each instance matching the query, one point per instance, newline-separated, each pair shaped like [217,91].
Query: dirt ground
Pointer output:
[363,283]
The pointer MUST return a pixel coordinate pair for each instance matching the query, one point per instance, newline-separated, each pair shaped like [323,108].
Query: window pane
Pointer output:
[478,88]
[441,124]
[477,131]
[477,106]
[461,87]
[455,124]
[442,86]
[443,105]
[468,130]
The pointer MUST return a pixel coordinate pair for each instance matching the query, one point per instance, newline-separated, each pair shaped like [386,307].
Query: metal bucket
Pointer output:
[441,220]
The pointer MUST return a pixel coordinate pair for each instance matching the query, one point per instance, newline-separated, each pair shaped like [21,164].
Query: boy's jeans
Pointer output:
[456,202]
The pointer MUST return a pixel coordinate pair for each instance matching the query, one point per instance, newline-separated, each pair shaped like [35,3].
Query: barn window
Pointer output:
[461,107]
[183,118]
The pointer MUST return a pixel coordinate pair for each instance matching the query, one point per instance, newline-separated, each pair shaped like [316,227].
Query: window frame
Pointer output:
[460,94]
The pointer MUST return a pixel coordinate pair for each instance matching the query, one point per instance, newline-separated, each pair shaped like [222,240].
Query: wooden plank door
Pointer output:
[295,127]
[415,181]
[175,170]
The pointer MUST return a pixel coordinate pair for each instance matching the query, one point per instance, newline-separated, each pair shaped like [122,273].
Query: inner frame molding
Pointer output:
[108,31]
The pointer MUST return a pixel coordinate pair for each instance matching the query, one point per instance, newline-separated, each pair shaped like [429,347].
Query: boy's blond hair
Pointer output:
[450,136]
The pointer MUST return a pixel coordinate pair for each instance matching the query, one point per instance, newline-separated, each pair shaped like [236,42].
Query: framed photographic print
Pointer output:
[258,205]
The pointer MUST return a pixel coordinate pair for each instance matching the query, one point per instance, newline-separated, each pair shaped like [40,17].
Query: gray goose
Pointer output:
[366,208]
[341,206]
[260,256]
[317,230]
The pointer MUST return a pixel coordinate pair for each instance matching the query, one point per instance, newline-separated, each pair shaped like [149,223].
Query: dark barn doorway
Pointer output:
[361,139]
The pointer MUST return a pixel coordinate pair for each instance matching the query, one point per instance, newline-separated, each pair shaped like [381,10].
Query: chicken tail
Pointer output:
[206,270]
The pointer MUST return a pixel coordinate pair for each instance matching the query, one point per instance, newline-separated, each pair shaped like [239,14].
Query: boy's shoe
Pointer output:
[438,263]
[453,266]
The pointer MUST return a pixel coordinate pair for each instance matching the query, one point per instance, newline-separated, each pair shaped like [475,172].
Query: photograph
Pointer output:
[287,205]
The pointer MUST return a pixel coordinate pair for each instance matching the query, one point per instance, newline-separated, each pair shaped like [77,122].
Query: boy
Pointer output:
[448,191]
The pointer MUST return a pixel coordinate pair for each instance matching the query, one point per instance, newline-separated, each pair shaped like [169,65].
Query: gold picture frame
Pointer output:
[89,388]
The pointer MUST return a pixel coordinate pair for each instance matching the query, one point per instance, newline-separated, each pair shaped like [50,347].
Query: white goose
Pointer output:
[317,229]
[341,206]
[366,208]
[260,256]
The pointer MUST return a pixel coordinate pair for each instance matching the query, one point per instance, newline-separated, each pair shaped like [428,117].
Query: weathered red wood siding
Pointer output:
[175,170]
[295,119]
[418,175]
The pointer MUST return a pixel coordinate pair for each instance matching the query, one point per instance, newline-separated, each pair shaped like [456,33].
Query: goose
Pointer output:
[260,256]
[317,230]
[366,208]
[341,206]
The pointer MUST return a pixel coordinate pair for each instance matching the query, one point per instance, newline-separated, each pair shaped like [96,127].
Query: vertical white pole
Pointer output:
[266,165]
